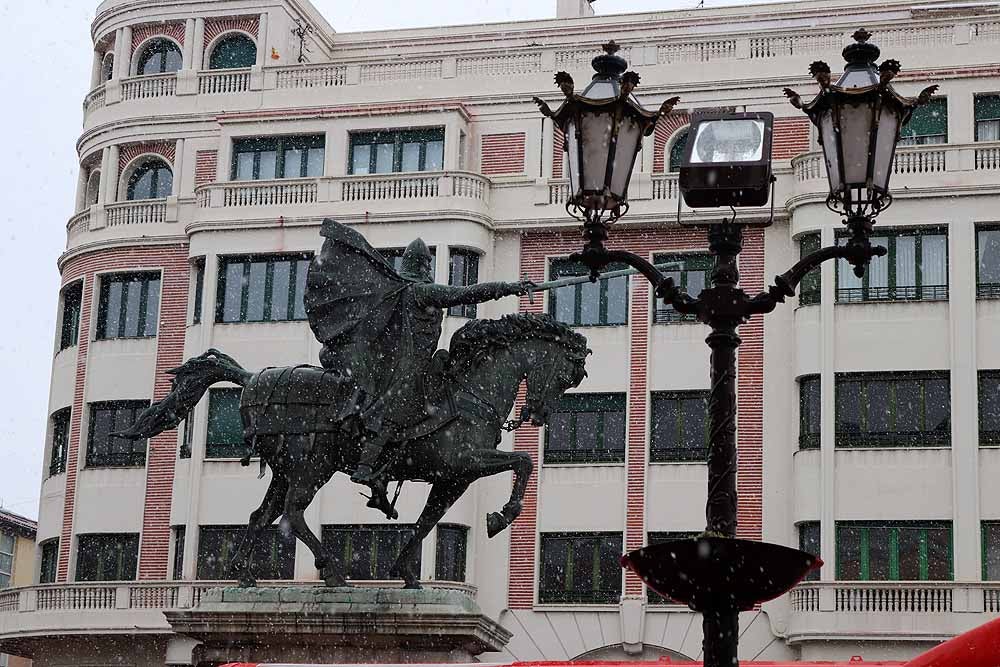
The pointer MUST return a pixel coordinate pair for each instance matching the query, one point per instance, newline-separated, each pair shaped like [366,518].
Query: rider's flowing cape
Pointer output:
[355,304]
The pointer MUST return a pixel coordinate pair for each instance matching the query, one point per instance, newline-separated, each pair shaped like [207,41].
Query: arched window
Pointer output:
[150,180]
[677,150]
[107,67]
[158,57]
[235,50]
[93,187]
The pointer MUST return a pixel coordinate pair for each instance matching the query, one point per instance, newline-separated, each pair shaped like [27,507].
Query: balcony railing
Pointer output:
[143,212]
[912,597]
[214,82]
[370,188]
[149,86]
[898,293]
[78,224]
[95,99]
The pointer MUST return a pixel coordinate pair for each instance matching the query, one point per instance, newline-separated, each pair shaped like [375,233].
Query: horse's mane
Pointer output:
[478,338]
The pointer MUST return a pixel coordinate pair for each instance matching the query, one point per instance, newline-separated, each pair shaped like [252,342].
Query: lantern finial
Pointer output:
[861,52]
[861,35]
[611,48]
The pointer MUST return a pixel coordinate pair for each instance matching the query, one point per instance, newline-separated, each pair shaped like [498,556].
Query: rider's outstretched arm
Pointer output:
[446,296]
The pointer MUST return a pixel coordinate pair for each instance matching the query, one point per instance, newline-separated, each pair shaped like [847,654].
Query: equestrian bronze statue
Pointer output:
[385,406]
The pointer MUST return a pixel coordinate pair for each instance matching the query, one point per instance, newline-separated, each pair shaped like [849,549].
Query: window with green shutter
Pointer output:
[586,428]
[273,554]
[72,298]
[678,430]
[105,450]
[107,557]
[388,151]
[262,288]
[269,158]
[894,551]
[602,303]
[225,426]
[811,286]
[989,407]
[809,541]
[987,114]
[367,552]
[988,263]
[893,409]
[915,269]
[809,412]
[991,550]
[928,124]
[60,441]
[653,597]
[691,273]
[580,568]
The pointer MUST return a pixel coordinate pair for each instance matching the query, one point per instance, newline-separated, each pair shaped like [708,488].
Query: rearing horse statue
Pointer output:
[288,421]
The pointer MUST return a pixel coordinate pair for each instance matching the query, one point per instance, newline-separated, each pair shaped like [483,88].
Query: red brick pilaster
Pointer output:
[750,396]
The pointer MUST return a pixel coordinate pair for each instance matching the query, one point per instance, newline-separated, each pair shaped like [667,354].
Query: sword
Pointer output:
[577,280]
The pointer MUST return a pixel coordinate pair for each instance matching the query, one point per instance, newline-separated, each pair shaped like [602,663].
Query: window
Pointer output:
[273,555]
[989,407]
[653,597]
[679,427]
[368,552]
[199,289]
[988,263]
[810,288]
[49,561]
[93,188]
[580,568]
[262,289]
[602,303]
[178,564]
[898,551]
[809,541]
[463,270]
[677,150]
[449,561]
[152,179]
[691,273]
[106,450]
[395,257]
[60,441]
[387,151]
[991,550]
[130,305]
[928,125]
[809,412]
[916,269]
[893,410]
[187,436]
[232,51]
[7,546]
[159,57]
[107,557]
[268,158]
[586,428]
[107,67]
[987,113]
[72,298]
[225,426]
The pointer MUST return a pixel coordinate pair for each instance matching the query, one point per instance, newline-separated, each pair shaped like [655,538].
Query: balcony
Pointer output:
[33,614]
[954,167]
[884,610]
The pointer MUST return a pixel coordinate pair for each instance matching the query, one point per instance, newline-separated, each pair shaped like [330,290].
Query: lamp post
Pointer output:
[859,119]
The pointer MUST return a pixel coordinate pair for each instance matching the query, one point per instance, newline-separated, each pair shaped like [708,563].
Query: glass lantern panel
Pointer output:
[573,159]
[885,146]
[721,141]
[855,136]
[596,143]
[829,138]
[601,89]
[629,142]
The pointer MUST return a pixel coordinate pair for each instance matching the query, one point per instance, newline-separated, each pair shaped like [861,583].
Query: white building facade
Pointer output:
[217,137]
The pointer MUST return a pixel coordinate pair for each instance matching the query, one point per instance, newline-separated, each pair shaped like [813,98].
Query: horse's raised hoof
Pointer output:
[495,522]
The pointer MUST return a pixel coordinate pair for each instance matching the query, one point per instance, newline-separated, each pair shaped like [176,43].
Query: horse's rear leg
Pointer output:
[299,498]
[262,517]
[493,462]
[442,496]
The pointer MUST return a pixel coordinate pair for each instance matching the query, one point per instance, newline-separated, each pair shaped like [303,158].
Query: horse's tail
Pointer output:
[191,381]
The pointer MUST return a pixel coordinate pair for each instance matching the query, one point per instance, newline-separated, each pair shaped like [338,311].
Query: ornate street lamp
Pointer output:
[859,120]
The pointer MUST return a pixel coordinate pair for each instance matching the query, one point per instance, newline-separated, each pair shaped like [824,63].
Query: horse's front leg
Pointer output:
[443,495]
[270,509]
[492,462]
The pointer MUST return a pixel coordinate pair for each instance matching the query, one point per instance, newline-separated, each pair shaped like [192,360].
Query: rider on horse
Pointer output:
[381,329]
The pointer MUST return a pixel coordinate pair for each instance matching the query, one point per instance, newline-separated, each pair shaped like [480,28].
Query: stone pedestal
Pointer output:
[337,625]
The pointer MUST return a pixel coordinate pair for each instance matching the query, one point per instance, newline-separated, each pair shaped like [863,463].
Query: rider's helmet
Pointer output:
[417,262]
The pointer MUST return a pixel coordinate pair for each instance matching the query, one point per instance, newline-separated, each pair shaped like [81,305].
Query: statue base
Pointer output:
[315,624]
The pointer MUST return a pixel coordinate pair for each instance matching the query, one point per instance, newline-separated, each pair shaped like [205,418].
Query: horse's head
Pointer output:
[559,371]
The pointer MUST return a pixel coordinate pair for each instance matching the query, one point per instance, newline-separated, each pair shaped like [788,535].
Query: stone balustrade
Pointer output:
[215,82]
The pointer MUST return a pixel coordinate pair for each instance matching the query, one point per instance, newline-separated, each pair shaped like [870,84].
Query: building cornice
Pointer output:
[125,242]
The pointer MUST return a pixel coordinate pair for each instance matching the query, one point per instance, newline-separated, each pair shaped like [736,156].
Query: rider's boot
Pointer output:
[365,474]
